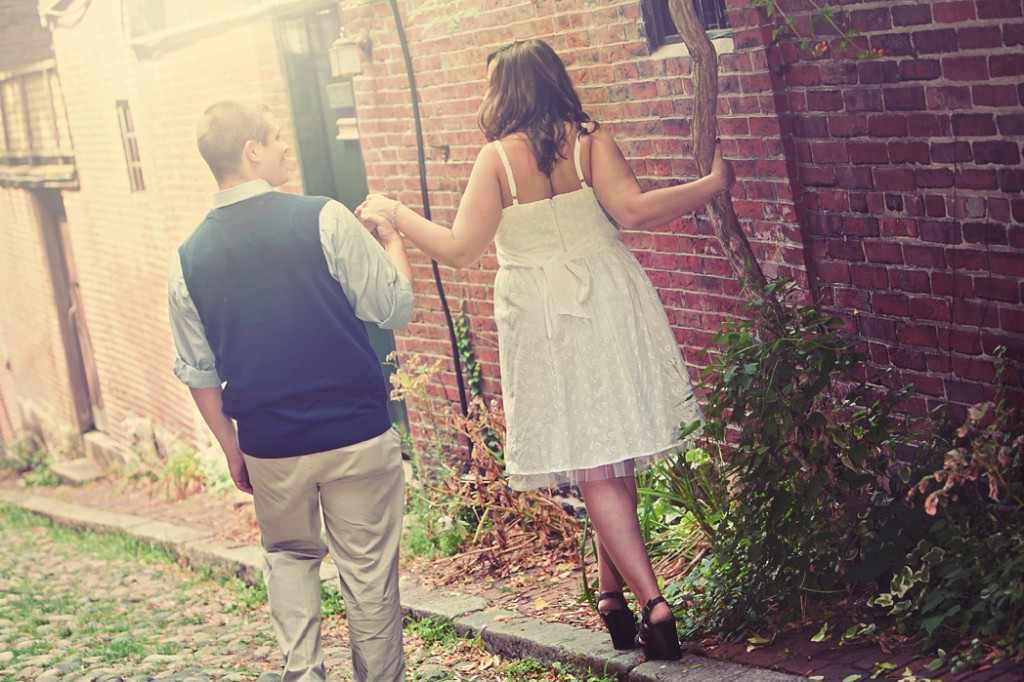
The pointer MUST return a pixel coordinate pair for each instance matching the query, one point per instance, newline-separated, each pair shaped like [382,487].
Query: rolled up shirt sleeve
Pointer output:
[195,363]
[371,282]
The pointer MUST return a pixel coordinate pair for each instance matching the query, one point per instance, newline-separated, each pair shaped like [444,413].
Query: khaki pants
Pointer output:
[360,490]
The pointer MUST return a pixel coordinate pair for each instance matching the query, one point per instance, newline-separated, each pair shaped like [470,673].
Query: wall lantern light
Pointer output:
[346,53]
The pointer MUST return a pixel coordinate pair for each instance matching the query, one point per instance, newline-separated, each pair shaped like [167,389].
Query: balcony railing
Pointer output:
[35,146]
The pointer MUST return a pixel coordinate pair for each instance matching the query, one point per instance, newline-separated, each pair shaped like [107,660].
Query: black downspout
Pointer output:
[421,158]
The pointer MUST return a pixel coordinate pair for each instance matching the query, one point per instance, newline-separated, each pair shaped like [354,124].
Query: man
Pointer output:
[267,301]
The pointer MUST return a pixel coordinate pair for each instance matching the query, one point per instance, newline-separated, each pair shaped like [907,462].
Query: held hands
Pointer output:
[377,214]
[722,169]
[380,227]
[376,203]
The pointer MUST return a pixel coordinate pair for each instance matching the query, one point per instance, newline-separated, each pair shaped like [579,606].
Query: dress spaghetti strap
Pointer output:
[576,160]
[508,172]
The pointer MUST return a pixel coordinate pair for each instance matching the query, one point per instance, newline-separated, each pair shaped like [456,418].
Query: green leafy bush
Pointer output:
[28,458]
[22,455]
[964,580]
[820,493]
[682,501]
[807,446]
[436,524]
[181,476]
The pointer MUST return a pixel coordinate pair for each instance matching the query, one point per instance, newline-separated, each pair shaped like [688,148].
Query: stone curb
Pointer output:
[503,632]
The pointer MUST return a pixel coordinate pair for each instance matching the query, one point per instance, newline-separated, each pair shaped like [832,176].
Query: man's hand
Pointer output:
[380,227]
[210,402]
[239,472]
[380,216]
[376,204]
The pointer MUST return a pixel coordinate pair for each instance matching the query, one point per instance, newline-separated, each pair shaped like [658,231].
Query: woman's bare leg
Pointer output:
[608,577]
[611,505]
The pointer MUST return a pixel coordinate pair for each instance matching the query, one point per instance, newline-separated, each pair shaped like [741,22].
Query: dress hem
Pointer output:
[557,479]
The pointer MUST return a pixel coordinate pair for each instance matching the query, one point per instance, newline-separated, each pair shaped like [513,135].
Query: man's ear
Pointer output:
[251,152]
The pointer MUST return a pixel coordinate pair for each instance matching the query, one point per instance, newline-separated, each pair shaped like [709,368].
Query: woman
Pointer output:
[593,384]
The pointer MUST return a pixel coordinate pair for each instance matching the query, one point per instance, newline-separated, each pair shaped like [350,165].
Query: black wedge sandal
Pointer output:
[621,623]
[659,640]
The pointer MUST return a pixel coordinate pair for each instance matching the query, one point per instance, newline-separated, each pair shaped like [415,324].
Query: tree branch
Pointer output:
[720,211]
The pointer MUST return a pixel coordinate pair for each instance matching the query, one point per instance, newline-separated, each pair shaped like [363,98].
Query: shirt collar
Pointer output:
[247,190]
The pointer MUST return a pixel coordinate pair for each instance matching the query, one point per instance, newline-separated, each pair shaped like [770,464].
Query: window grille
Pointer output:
[131,146]
[35,143]
[661,30]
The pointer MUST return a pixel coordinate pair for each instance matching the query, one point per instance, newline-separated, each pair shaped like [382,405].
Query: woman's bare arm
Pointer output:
[474,226]
[629,205]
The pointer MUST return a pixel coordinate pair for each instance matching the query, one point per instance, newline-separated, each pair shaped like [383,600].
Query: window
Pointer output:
[149,16]
[34,130]
[661,30]
[131,146]
[35,145]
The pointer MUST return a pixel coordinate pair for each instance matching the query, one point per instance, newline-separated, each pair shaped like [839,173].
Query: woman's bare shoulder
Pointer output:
[488,155]
[514,140]
[601,133]
[603,140]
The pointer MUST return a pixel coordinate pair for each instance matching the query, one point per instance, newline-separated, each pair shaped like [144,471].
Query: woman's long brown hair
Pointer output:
[530,92]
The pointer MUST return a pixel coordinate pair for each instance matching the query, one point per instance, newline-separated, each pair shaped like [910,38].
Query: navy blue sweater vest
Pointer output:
[300,374]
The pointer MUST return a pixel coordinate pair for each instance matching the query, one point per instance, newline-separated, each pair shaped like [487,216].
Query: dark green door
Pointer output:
[330,167]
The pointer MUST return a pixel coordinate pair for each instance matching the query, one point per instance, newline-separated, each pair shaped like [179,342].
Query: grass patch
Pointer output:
[250,597]
[331,601]
[433,631]
[129,649]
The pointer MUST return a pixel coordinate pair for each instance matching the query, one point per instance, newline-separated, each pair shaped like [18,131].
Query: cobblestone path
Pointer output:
[80,607]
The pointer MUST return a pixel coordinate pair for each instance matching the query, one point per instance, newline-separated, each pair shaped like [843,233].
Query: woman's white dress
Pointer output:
[593,382]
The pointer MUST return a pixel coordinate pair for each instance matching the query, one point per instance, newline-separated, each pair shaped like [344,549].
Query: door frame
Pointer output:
[82,376]
[341,161]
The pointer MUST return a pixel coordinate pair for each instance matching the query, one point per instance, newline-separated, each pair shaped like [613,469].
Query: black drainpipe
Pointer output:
[421,158]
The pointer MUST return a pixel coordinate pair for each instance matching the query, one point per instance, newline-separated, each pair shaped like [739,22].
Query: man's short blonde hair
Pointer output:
[223,130]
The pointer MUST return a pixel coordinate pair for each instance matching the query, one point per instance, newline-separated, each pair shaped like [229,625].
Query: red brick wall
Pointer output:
[644,99]
[889,188]
[911,171]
